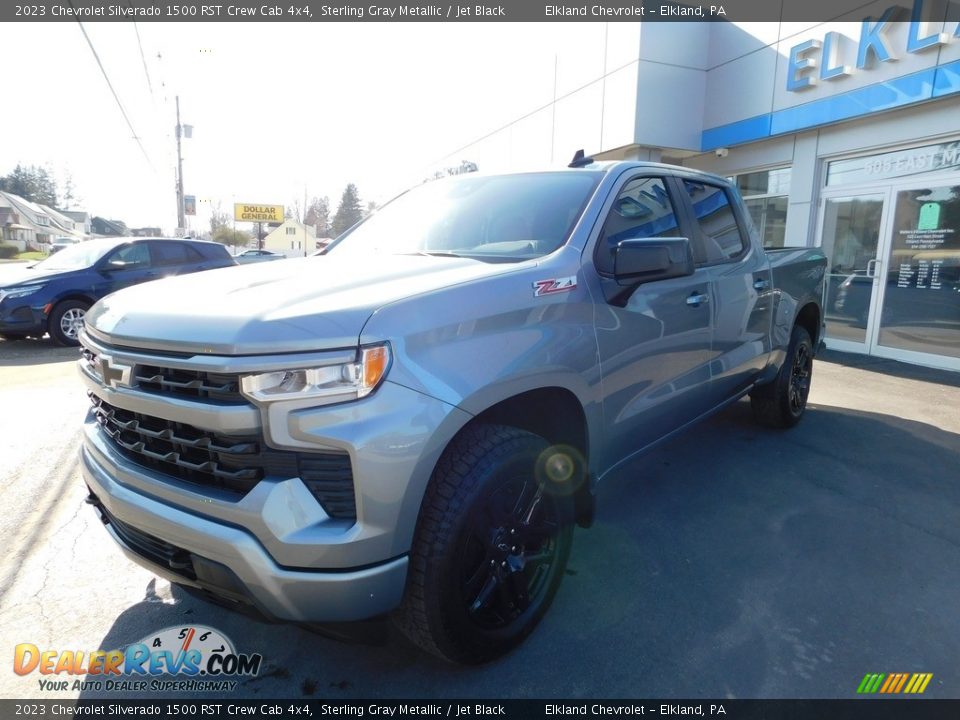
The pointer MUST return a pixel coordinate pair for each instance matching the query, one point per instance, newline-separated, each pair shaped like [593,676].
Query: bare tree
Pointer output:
[218,218]
[318,216]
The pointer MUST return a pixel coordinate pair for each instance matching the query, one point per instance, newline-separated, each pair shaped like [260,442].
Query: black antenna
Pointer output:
[579,160]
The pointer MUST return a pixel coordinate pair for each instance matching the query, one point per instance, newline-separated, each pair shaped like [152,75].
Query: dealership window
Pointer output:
[765,194]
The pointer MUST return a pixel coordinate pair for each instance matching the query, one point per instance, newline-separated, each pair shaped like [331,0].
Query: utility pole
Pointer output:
[181,220]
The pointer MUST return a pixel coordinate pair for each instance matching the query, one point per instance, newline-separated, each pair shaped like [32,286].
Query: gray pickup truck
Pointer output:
[413,423]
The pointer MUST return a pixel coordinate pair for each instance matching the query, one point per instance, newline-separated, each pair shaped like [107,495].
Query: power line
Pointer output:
[146,70]
[115,96]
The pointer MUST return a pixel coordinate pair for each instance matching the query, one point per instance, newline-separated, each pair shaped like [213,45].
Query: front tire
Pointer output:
[781,403]
[491,544]
[66,321]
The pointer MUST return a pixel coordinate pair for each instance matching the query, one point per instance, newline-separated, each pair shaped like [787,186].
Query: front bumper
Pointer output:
[272,546]
[229,563]
[22,319]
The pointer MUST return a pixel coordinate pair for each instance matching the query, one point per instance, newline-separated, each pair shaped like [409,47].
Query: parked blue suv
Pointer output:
[53,295]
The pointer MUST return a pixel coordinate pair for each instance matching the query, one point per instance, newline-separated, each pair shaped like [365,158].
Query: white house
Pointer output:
[292,238]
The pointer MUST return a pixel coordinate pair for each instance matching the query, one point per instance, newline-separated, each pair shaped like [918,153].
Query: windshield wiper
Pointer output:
[433,253]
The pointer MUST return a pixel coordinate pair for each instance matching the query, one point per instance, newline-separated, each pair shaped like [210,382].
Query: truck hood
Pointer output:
[300,305]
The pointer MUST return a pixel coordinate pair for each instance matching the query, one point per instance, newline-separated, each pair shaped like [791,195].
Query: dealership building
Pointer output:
[843,135]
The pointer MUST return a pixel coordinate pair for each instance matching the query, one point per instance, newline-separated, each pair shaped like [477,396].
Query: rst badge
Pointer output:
[554,285]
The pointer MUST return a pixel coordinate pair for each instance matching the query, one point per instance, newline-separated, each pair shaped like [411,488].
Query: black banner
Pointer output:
[873,708]
[465,11]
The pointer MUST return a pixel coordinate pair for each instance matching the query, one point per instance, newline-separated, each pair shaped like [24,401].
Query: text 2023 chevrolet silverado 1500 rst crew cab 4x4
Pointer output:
[413,422]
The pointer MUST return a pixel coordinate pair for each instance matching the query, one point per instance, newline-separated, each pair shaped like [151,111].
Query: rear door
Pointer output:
[654,344]
[739,272]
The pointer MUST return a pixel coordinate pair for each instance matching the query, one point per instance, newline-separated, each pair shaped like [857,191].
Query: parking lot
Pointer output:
[733,562]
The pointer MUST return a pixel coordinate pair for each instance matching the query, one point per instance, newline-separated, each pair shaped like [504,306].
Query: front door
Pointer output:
[851,231]
[918,315]
[893,286]
[655,344]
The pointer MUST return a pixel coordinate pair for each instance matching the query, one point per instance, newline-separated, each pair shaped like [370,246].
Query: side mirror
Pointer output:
[115,265]
[642,261]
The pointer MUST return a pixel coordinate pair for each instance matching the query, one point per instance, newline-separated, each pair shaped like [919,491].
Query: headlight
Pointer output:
[333,383]
[17,292]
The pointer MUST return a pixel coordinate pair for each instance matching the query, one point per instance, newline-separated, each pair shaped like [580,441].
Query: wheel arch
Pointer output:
[809,319]
[70,295]
[556,414]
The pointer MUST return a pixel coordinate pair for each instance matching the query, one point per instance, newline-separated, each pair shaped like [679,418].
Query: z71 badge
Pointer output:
[554,285]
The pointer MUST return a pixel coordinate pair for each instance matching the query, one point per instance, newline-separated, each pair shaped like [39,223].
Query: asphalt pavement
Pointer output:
[732,562]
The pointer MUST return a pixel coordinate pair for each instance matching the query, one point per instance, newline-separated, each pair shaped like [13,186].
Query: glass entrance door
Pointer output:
[851,228]
[920,308]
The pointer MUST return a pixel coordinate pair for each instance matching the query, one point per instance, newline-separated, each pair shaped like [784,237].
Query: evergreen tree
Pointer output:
[31,183]
[349,212]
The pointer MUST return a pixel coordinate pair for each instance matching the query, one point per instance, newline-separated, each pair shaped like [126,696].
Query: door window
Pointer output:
[173,253]
[643,209]
[132,256]
[720,238]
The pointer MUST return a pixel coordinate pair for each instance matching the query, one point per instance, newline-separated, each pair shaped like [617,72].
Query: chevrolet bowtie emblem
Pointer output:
[112,373]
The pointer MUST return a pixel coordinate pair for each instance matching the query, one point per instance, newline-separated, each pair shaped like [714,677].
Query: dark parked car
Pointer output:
[251,256]
[53,295]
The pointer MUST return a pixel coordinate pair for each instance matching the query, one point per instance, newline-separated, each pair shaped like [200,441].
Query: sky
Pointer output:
[278,110]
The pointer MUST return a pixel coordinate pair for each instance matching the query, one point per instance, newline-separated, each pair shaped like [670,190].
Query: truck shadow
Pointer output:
[731,562]
[34,351]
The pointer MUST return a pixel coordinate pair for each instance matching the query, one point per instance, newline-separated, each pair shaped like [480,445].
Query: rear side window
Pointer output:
[720,239]
[173,253]
[643,209]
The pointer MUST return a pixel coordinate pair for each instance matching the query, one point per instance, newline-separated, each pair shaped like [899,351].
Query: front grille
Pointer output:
[231,463]
[234,464]
[197,384]
[191,384]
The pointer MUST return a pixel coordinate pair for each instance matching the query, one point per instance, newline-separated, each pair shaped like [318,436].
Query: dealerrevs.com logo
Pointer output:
[175,659]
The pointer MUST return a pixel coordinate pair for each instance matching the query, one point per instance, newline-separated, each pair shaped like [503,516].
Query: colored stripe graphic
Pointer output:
[871,683]
[894,683]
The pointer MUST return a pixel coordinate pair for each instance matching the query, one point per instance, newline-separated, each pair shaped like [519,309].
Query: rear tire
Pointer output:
[781,403]
[491,545]
[66,320]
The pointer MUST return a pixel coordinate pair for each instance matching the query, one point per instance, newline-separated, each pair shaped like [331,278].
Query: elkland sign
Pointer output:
[815,60]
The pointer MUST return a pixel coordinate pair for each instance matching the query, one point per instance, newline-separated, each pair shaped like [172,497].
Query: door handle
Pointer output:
[697,299]
[761,284]
[872,264]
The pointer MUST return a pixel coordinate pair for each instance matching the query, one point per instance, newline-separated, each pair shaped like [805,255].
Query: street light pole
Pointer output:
[181,220]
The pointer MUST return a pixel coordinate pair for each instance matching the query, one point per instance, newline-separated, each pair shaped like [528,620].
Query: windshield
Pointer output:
[76,257]
[498,217]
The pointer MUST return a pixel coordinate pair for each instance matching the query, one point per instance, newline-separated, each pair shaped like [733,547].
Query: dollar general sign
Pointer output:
[245,212]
